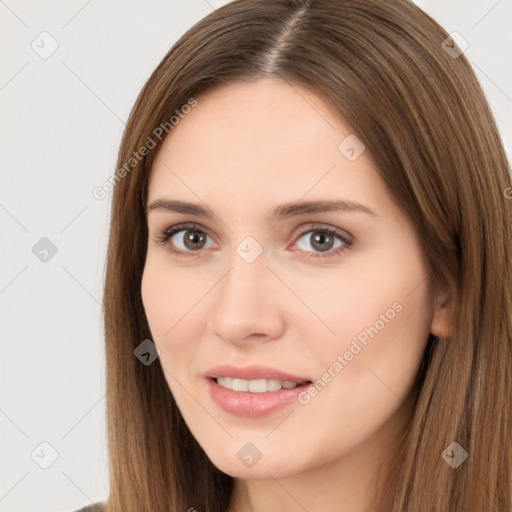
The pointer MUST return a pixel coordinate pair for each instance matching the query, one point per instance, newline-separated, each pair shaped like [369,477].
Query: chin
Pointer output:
[231,462]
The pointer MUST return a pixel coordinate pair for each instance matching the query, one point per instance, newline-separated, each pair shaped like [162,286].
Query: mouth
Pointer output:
[257,385]
[254,398]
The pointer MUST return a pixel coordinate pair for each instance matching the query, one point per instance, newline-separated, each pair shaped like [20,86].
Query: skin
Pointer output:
[244,149]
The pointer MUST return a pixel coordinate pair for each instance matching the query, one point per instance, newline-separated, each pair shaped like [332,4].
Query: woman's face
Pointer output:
[349,311]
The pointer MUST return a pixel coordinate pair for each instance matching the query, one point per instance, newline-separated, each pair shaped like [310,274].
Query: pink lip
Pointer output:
[252,372]
[252,405]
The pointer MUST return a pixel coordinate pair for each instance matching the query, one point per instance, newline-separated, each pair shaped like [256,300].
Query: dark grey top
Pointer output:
[95,507]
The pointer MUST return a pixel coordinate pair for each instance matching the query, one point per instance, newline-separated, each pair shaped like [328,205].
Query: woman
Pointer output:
[290,353]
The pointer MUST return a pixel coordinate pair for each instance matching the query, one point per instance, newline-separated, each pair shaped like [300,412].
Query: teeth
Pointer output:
[255,386]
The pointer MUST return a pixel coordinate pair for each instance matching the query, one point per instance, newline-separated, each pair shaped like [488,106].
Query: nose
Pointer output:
[246,303]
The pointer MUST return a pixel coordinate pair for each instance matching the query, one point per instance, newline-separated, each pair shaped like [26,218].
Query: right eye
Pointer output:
[187,244]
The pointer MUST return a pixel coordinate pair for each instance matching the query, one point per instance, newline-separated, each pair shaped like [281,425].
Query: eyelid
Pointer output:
[318,226]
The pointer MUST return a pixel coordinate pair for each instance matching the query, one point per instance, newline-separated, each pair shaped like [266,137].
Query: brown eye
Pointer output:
[323,240]
[183,240]
[194,239]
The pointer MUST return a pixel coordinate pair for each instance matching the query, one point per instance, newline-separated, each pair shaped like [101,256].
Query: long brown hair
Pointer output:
[421,113]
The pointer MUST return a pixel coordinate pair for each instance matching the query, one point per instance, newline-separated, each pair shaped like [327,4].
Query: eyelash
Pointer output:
[164,235]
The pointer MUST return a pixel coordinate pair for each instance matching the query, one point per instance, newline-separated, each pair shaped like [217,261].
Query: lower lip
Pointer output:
[252,405]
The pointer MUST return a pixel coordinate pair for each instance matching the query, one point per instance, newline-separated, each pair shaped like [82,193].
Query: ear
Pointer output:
[440,325]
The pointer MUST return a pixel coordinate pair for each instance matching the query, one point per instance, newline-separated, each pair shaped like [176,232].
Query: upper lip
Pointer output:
[252,372]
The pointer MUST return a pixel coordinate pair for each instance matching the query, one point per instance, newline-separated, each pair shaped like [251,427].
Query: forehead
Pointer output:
[256,118]
[265,139]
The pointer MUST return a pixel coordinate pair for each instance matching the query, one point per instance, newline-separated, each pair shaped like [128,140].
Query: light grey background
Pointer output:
[61,122]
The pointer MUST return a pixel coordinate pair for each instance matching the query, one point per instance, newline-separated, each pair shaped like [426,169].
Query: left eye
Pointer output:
[323,240]
[194,238]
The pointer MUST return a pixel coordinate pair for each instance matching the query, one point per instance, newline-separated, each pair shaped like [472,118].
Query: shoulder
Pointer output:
[95,507]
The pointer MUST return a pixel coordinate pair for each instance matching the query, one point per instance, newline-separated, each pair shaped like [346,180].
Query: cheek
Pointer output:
[374,335]
[374,296]
[167,295]
[381,318]
[172,310]
[156,299]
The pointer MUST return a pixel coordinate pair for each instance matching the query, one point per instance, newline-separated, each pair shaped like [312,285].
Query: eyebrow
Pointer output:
[279,213]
